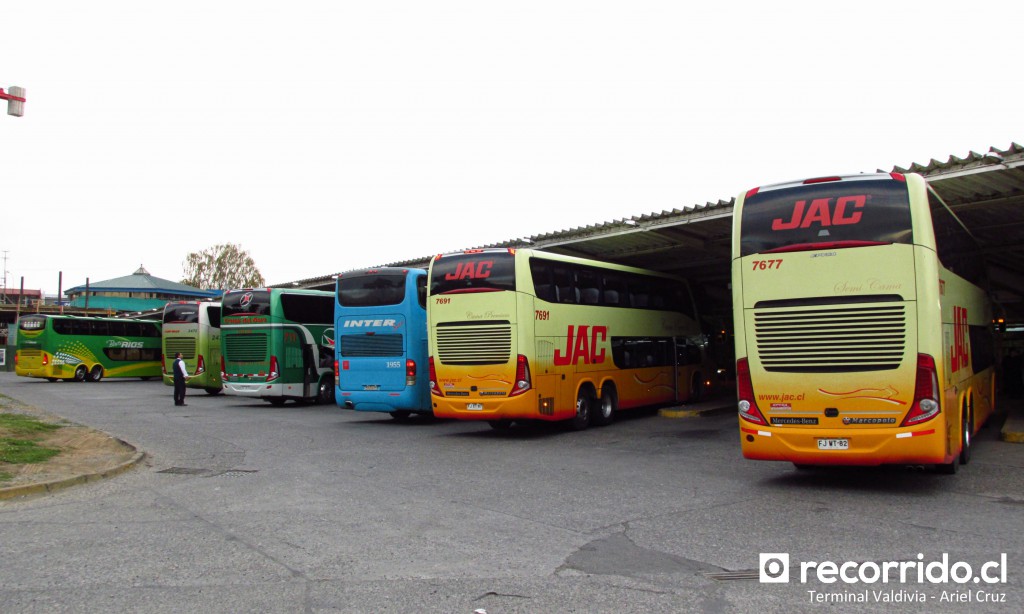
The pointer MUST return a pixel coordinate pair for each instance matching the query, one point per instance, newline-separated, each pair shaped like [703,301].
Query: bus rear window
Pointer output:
[371,289]
[181,314]
[246,302]
[478,272]
[826,214]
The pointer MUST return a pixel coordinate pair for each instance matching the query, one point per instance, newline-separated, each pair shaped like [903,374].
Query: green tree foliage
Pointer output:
[222,267]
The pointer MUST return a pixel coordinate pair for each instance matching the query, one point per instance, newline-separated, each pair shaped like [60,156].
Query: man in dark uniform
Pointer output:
[180,375]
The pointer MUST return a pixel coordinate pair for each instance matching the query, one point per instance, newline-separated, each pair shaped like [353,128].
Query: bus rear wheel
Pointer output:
[696,388]
[212,391]
[80,373]
[400,415]
[965,438]
[500,425]
[584,407]
[277,401]
[606,407]
[95,374]
[325,394]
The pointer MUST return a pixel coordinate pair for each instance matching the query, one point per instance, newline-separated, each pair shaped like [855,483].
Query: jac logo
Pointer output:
[471,270]
[846,212]
[246,299]
[582,343]
[960,352]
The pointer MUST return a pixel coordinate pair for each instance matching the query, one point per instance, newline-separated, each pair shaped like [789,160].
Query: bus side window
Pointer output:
[564,285]
[589,283]
[421,290]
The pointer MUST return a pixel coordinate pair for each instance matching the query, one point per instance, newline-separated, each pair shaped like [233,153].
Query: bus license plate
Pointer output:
[833,444]
[371,387]
[474,406]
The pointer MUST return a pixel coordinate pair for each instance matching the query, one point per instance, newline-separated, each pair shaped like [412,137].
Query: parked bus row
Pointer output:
[863,333]
[512,335]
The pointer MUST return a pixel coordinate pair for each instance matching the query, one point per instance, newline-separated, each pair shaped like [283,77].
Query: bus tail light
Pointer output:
[410,372]
[223,369]
[200,365]
[434,388]
[747,405]
[523,382]
[274,372]
[46,358]
[337,372]
[926,392]
[163,362]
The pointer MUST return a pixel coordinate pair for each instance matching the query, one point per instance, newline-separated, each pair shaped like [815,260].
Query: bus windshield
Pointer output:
[826,215]
[246,302]
[371,290]
[473,272]
[187,313]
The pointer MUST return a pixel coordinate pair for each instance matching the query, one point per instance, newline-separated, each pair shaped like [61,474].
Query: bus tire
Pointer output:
[80,373]
[51,379]
[500,425]
[212,391]
[325,394]
[696,388]
[965,437]
[606,406]
[277,401]
[400,415]
[584,409]
[95,374]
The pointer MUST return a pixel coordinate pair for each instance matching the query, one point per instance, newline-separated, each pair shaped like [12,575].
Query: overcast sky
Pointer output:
[327,136]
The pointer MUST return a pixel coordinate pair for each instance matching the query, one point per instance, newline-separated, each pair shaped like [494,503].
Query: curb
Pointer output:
[692,412]
[1013,429]
[25,490]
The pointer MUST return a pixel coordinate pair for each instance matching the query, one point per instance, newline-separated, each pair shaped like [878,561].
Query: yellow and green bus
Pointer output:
[863,336]
[519,335]
[193,328]
[74,348]
[277,344]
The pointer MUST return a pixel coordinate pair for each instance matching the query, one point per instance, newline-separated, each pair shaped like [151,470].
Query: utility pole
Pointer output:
[5,276]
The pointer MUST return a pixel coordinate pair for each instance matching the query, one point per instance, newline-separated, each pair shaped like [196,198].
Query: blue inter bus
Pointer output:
[380,359]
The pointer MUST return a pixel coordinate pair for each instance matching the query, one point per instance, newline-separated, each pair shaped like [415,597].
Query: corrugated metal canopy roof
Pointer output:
[986,190]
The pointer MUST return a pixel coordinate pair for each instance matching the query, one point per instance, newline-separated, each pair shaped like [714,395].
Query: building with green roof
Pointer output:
[139,291]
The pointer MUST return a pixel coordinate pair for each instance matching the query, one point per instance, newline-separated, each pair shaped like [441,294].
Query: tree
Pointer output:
[222,267]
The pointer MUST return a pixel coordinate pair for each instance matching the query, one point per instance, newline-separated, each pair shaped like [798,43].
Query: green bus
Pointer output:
[278,344]
[75,348]
[193,328]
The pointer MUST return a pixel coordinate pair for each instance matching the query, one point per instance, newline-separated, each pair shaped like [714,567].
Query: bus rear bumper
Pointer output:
[381,401]
[526,407]
[924,445]
[255,390]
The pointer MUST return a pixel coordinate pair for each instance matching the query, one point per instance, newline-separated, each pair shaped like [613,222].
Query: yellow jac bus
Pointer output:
[521,335]
[862,335]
